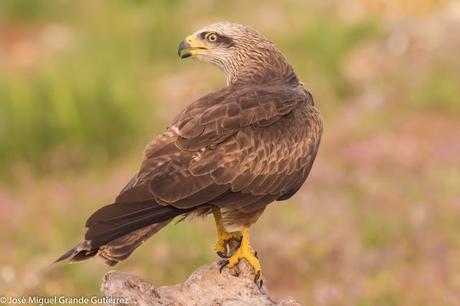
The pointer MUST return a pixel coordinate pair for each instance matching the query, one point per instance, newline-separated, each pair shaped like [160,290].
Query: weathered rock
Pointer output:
[206,286]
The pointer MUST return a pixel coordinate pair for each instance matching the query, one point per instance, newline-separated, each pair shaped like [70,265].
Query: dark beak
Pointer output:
[184,49]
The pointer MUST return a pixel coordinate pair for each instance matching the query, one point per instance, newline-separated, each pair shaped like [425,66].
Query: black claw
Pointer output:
[223,264]
[255,254]
[222,255]
[257,276]
[258,280]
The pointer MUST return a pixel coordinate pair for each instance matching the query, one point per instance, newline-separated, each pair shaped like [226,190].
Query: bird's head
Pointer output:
[238,50]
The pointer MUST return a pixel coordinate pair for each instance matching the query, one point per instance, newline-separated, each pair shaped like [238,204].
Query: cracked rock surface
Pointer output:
[205,286]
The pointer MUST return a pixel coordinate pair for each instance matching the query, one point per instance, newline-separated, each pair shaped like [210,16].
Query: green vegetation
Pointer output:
[84,94]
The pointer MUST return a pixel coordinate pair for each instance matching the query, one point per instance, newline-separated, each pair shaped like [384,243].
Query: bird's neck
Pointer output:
[265,66]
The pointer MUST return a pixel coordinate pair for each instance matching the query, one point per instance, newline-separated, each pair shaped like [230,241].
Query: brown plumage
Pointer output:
[236,150]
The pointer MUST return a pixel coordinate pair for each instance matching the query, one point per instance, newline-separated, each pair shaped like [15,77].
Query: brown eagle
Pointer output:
[229,153]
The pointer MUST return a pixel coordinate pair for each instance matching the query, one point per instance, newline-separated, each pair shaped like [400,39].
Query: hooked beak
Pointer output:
[190,46]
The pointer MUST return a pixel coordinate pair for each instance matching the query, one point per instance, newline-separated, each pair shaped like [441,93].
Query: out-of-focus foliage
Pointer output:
[85,84]
[76,77]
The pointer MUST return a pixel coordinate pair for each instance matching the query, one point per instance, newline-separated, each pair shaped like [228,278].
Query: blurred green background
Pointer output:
[84,85]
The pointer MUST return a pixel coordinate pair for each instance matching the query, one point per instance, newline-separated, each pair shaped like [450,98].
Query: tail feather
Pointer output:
[116,230]
[78,253]
[120,248]
[115,220]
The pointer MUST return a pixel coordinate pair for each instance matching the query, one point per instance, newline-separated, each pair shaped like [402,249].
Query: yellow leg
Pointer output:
[246,252]
[223,237]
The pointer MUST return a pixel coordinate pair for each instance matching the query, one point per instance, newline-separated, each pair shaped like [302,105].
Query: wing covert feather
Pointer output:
[234,148]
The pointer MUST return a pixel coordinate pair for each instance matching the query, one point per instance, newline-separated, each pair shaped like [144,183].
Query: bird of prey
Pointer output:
[230,153]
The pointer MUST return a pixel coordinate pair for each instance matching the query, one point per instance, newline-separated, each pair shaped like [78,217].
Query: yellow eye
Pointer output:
[212,37]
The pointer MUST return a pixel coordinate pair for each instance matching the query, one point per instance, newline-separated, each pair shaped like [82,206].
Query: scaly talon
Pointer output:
[224,237]
[245,252]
